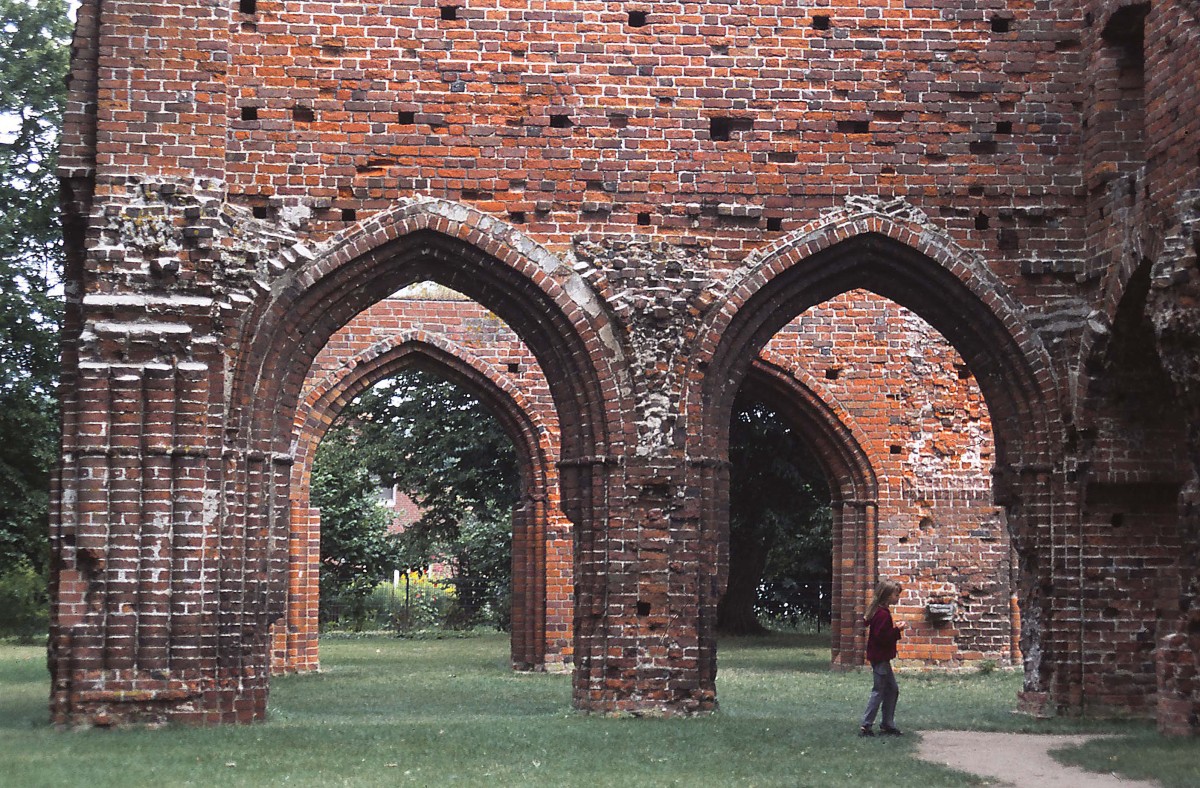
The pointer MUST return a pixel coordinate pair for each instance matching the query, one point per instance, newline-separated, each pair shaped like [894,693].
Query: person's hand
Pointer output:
[901,625]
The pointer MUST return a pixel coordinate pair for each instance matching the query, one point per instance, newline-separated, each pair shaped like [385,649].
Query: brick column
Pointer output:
[1042,507]
[854,578]
[134,632]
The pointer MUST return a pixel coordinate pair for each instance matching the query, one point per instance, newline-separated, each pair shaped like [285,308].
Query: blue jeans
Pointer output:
[884,691]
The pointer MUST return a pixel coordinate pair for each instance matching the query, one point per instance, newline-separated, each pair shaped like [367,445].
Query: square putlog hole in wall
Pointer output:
[639,18]
[248,6]
[821,22]
[449,12]
[259,211]
[643,219]
[774,224]
[560,122]
[249,113]
[854,126]
[349,215]
[406,118]
[1001,24]
[303,114]
[722,127]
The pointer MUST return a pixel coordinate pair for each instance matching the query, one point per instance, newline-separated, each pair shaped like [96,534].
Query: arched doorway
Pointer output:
[956,296]
[837,444]
[200,649]
[296,645]
[549,318]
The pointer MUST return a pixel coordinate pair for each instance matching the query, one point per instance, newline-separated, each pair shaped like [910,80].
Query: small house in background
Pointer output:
[405,512]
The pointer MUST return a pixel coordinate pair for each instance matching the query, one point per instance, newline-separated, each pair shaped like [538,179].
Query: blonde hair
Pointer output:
[882,591]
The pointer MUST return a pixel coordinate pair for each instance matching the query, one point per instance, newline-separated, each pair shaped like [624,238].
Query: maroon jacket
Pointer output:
[882,638]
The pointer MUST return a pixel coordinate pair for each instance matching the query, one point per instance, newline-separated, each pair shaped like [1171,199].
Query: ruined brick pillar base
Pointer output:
[646,595]
[1036,704]
[105,698]
[1178,682]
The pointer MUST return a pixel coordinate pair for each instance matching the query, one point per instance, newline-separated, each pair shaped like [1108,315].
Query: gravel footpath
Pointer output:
[1017,759]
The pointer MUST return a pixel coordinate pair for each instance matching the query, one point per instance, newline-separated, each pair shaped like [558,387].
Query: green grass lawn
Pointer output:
[449,712]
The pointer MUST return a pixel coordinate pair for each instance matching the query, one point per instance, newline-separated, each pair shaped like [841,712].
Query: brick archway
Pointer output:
[549,307]
[201,652]
[915,267]
[837,444]
[295,645]
[208,257]
[428,316]
[552,309]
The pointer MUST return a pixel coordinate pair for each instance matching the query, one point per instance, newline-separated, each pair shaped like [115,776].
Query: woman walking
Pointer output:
[881,650]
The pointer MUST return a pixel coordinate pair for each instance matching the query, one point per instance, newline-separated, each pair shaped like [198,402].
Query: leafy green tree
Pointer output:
[357,552]
[778,514]
[445,450]
[34,54]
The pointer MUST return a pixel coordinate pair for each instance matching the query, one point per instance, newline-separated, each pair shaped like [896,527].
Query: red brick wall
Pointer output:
[467,109]
[645,206]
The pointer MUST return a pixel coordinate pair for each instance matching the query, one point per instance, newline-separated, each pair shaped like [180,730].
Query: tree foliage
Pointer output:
[356,550]
[33,62]
[778,513]
[445,450]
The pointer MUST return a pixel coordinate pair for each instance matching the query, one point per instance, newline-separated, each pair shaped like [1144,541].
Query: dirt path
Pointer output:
[1016,759]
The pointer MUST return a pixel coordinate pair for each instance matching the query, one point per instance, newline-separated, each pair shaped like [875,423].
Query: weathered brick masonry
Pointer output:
[646,194]
[867,377]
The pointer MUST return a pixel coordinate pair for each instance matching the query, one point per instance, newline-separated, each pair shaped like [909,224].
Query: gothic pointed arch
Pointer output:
[906,263]
[837,443]
[296,647]
[896,253]
[553,311]
[550,307]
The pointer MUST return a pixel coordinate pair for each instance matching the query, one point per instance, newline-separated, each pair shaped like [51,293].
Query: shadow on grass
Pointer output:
[778,652]
[775,640]
[1141,755]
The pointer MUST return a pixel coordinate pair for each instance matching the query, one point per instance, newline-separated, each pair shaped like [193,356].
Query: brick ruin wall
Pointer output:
[895,382]
[927,431]
[646,194]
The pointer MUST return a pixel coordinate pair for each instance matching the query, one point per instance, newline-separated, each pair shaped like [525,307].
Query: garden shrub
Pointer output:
[414,603]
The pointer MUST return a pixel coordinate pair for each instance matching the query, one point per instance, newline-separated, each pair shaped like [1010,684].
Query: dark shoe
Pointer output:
[866,731]
[891,732]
